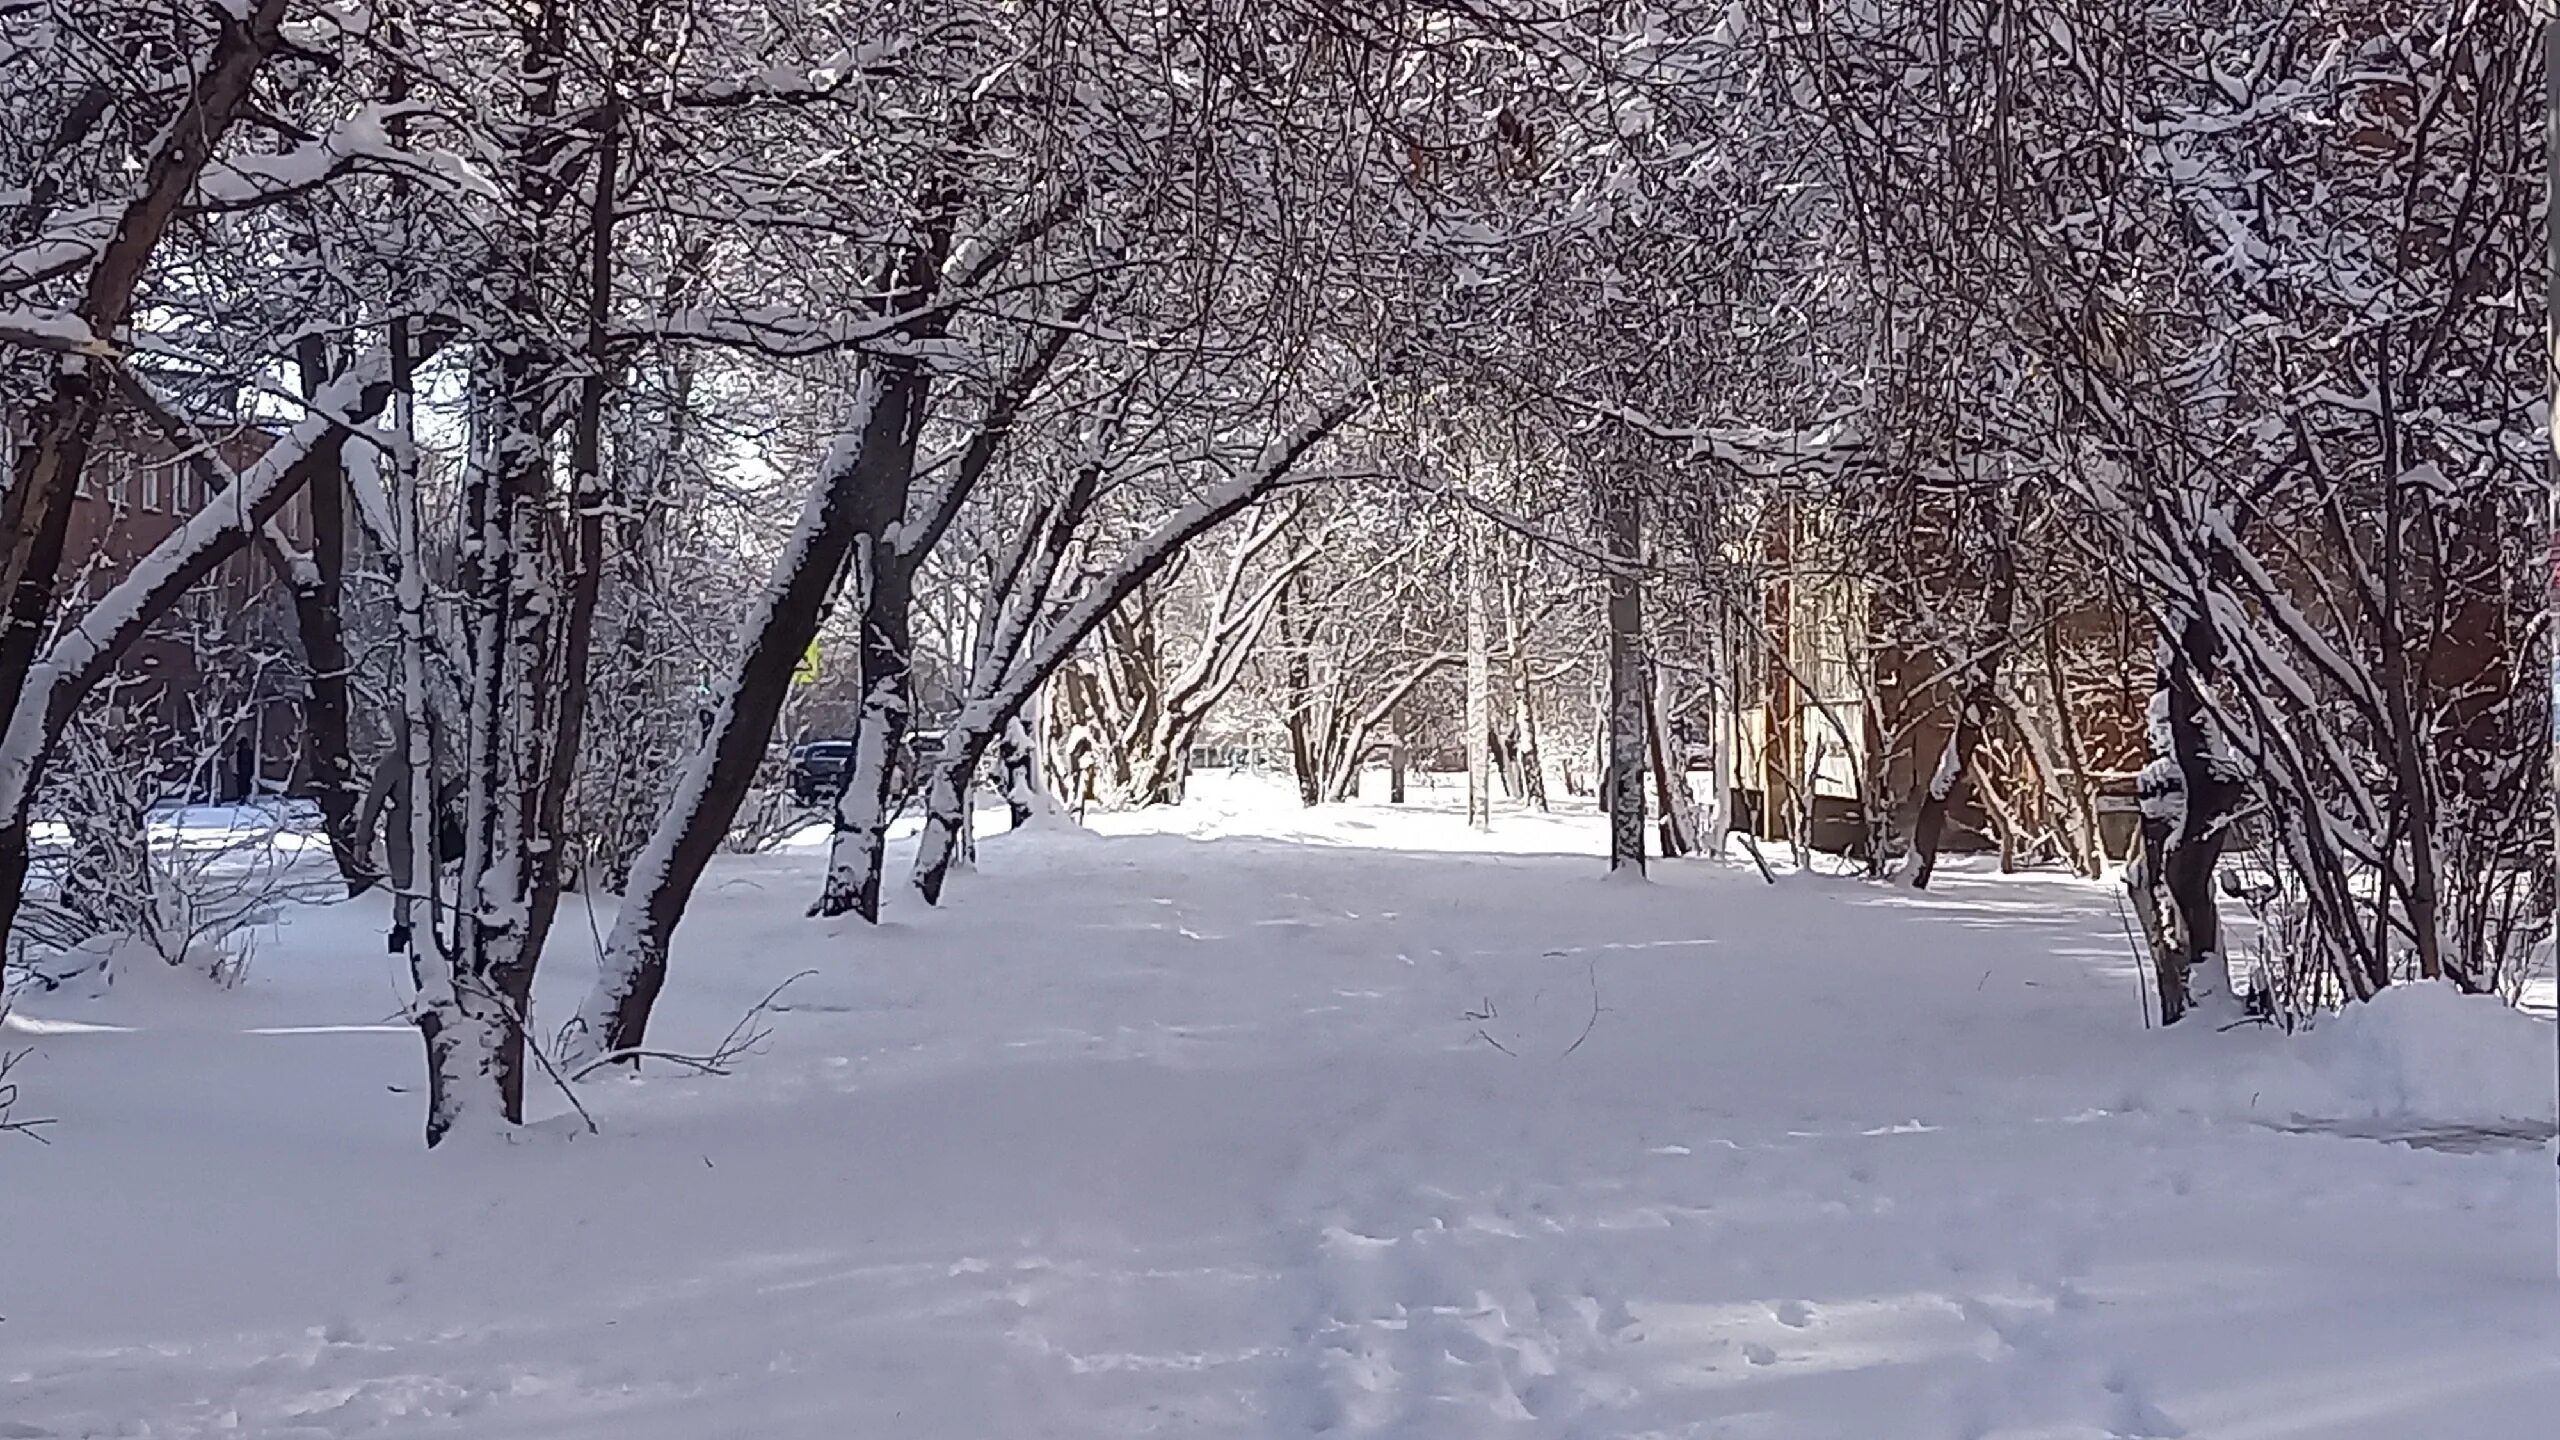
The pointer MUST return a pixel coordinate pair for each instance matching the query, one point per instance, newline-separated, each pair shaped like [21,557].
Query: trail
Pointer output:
[1252,1122]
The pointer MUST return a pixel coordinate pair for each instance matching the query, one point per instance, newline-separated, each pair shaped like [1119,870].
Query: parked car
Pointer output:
[817,770]
[818,767]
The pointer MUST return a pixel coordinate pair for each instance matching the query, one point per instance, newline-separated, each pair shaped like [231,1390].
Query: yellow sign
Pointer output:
[806,672]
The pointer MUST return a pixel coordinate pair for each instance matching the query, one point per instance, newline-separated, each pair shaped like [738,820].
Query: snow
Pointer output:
[1243,1120]
[2419,1056]
[52,329]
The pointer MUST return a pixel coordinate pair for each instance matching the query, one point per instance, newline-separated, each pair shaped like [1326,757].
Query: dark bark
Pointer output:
[616,1016]
[508,889]
[862,813]
[2187,807]
[1479,685]
[1623,781]
[1018,754]
[1974,708]
[150,598]
[35,508]
[314,584]
[859,848]
[327,746]
[1532,769]
[1677,824]
[587,505]
[2079,793]
[1297,700]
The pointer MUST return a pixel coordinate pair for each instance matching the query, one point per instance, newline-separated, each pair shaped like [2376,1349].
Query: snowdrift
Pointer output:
[2417,1057]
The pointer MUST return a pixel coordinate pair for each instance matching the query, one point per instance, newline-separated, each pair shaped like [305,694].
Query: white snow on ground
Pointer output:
[1246,1121]
[2418,1055]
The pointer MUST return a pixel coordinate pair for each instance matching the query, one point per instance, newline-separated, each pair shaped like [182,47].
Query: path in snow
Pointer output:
[1258,1124]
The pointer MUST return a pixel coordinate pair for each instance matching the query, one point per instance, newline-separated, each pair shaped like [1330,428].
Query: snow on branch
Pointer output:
[1221,502]
[88,647]
[362,142]
[56,330]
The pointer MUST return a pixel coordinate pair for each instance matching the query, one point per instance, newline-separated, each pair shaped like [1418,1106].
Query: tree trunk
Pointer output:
[1533,771]
[475,1059]
[313,583]
[1623,782]
[1679,822]
[1722,724]
[1973,709]
[859,849]
[2188,798]
[35,507]
[2080,793]
[1479,684]
[470,1006]
[1016,752]
[317,592]
[1297,700]
[87,649]
[721,770]
[573,641]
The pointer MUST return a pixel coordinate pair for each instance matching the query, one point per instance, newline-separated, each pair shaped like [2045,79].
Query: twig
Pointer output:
[2141,961]
[728,1047]
[737,1042]
[1751,843]
[1594,969]
[701,1065]
[32,1129]
[1496,1044]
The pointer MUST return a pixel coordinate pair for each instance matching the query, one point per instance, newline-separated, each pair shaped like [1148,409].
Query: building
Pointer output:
[216,688]
[1840,719]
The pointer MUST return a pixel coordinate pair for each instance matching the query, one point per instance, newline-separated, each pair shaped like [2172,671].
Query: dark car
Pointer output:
[817,770]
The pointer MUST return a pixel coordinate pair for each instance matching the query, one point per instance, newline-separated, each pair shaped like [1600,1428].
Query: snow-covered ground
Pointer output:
[1245,1121]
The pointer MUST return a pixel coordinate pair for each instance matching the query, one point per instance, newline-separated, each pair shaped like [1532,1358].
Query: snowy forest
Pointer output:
[567,457]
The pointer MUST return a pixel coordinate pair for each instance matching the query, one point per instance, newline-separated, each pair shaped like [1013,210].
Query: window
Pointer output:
[150,487]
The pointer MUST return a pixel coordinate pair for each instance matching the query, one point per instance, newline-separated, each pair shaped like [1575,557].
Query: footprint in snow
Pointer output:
[1794,1314]
[2135,1417]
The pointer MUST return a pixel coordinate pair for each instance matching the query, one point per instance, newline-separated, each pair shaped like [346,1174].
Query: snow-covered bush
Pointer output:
[129,873]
